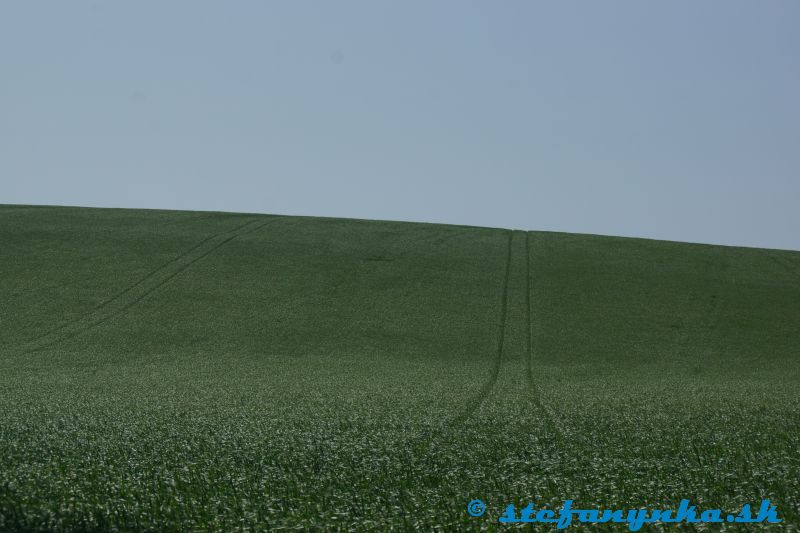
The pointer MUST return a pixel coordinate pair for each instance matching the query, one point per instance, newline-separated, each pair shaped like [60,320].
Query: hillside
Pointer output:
[211,370]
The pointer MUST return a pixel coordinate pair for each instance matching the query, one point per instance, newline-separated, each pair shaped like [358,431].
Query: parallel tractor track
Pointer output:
[135,293]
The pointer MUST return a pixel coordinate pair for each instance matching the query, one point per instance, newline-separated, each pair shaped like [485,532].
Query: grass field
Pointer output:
[185,370]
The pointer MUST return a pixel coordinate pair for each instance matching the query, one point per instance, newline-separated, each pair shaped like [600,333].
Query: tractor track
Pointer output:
[122,293]
[133,294]
[424,436]
[786,264]
[708,318]
[498,360]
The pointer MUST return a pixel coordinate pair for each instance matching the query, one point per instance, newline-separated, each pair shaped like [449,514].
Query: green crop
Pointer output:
[210,371]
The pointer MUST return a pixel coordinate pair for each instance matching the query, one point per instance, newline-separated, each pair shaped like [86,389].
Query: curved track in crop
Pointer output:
[498,359]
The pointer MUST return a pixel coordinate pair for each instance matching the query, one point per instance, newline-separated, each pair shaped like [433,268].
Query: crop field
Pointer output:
[210,371]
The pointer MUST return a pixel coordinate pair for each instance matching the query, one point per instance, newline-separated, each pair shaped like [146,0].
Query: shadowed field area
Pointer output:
[212,371]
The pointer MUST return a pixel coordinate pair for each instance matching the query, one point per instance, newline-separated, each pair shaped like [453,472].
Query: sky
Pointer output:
[675,120]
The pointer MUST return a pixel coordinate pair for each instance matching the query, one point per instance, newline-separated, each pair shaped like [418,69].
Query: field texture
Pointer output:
[210,371]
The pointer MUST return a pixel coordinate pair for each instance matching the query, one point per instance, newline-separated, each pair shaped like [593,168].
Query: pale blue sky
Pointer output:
[677,120]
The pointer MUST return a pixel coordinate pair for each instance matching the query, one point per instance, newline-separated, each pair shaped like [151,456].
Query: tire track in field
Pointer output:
[708,318]
[135,293]
[786,264]
[536,396]
[489,385]
[131,287]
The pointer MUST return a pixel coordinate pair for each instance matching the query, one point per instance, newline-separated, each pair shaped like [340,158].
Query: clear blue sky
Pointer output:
[676,120]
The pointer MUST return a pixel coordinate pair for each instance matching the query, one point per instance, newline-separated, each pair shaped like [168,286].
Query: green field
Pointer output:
[213,371]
